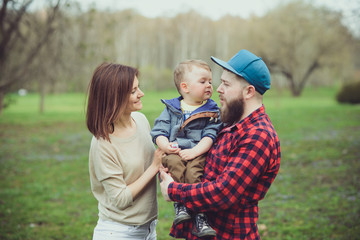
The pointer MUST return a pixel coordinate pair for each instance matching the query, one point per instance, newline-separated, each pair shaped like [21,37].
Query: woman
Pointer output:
[122,159]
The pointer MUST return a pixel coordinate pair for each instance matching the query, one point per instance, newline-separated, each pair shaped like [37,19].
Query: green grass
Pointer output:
[44,182]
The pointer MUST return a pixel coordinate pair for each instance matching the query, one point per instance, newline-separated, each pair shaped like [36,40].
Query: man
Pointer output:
[243,161]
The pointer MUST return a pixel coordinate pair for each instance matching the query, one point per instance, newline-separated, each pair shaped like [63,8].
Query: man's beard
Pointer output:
[233,111]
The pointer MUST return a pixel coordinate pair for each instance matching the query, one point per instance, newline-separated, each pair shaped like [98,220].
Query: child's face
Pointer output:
[198,85]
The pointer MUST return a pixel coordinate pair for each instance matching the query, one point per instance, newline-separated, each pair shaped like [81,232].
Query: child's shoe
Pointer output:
[202,228]
[181,213]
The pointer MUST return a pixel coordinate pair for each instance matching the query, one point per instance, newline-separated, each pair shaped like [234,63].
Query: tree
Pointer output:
[298,39]
[22,35]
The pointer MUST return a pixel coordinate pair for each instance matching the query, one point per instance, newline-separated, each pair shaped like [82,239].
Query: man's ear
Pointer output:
[184,87]
[249,92]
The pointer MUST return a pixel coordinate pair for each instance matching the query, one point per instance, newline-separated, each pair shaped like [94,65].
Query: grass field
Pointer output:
[44,182]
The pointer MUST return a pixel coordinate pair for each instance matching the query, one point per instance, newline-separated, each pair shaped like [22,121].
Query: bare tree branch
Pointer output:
[13,27]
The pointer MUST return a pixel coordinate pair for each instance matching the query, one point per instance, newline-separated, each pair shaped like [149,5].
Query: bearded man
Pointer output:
[243,161]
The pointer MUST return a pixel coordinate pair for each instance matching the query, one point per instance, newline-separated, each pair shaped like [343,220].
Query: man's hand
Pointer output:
[166,179]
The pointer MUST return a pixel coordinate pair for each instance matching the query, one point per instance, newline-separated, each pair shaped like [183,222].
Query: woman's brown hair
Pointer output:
[108,96]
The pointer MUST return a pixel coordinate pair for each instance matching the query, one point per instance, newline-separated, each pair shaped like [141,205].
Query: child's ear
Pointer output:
[184,87]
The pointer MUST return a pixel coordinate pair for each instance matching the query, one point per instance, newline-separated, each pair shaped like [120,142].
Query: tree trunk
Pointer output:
[2,96]
[294,88]
[296,91]
[42,97]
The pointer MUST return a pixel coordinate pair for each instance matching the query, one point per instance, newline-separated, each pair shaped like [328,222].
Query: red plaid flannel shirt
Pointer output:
[241,165]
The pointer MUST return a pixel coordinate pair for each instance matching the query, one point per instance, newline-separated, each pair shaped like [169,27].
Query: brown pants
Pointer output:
[183,171]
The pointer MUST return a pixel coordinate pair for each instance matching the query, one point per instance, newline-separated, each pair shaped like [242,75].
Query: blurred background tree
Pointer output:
[299,39]
[56,49]
[22,36]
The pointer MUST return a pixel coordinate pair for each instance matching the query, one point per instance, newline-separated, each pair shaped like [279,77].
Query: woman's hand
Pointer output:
[158,155]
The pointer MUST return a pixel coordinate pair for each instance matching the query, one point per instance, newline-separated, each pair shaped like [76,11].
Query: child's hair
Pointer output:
[108,96]
[185,66]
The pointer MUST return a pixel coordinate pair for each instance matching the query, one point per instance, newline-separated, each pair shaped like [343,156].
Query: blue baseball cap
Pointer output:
[250,67]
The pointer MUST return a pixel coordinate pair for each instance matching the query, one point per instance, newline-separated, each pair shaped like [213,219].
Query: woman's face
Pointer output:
[136,94]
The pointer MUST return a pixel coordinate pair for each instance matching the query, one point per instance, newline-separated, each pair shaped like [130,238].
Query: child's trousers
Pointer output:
[183,171]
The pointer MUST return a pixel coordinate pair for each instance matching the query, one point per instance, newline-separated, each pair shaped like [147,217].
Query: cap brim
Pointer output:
[225,65]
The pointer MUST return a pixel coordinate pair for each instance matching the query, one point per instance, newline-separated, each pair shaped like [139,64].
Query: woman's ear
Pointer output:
[184,87]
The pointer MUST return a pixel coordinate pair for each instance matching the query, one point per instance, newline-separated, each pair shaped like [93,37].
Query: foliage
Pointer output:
[156,79]
[157,45]
[44,182]
[295,40]
[349,93]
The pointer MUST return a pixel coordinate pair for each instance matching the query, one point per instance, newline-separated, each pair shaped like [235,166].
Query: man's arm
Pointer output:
[244,165]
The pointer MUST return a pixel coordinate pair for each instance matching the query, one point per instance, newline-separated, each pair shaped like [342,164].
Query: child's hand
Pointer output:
[188,154]
[172,148]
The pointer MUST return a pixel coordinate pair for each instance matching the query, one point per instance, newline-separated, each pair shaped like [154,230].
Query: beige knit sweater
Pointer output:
[115,165]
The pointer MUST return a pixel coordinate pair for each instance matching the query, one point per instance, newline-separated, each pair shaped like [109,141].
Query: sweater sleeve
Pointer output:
[110,174]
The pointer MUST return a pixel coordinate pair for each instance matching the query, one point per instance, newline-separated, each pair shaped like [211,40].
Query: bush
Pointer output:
[349,93]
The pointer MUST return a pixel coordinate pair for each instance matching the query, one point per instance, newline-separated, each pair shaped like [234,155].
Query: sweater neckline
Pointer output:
[127,139]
